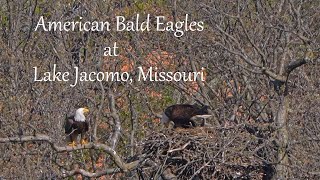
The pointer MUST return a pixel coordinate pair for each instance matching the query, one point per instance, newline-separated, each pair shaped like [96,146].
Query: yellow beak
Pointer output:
[85,110]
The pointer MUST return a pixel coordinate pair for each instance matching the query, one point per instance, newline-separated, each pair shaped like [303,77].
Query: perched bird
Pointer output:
[76,125]
[183,115]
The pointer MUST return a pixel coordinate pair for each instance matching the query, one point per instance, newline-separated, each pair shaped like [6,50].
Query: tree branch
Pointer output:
[274,75]
[117,125]
[90,174]
[291,66]
[97,146]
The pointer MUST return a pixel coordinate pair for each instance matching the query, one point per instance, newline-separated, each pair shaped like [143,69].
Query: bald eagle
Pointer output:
[76,125]
[183,115]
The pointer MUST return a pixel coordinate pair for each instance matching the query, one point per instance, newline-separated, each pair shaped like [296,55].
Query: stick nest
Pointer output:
[203,153]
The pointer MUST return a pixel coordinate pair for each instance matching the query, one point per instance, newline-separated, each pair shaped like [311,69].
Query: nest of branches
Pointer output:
[204,153]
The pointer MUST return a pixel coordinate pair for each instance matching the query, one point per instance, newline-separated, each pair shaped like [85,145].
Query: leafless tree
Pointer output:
[261,61]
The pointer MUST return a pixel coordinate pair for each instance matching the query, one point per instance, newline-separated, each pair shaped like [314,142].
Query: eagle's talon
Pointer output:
[83,142]
[73,144]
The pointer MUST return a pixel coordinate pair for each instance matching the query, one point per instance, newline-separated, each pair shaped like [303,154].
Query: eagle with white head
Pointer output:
[76,125]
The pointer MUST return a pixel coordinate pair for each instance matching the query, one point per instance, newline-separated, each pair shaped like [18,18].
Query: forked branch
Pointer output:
[124,167]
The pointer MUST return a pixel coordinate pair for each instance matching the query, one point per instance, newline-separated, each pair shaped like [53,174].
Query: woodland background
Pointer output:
[262,86]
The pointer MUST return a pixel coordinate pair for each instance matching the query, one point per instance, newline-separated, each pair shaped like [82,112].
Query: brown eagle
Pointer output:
[76,125]
[182,114]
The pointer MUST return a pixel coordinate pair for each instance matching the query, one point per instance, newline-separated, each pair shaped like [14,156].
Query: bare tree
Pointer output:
[260,59]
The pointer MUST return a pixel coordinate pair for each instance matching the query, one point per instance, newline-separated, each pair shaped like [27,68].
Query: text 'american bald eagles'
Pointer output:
[137,24]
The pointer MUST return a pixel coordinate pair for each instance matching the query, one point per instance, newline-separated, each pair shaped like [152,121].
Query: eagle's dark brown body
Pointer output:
[73,128]
[181,114]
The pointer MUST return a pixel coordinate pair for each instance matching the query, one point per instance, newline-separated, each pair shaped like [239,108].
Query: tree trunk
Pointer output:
[283,138]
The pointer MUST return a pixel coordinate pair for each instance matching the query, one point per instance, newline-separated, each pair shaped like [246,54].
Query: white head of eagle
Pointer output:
[182,114]
[76,125]
[79,116]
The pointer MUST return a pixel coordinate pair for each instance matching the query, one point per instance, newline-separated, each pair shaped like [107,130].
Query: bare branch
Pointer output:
[90,174]
[180,148]
[117,126]
[97,146]
[273,75]
[290,67]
